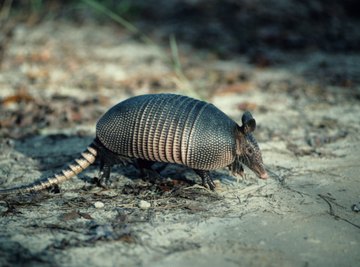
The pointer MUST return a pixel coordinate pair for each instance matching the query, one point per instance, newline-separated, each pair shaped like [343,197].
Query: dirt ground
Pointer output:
[57,78]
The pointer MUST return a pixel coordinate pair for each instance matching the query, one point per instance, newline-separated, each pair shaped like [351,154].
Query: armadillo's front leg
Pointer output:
[241,171]
[207,181]
[146,172]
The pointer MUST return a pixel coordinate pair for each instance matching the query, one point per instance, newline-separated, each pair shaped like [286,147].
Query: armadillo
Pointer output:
[165,128]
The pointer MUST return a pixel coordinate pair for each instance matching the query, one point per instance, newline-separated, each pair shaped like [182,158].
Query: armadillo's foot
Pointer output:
[104,175]
[207,181]
[236,168]
[241,171]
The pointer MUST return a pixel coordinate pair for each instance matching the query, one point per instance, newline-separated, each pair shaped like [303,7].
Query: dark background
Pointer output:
[224,27]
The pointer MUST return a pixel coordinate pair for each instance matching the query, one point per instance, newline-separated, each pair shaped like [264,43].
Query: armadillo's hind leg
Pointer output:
[104,174]
[207,181]
[107,160]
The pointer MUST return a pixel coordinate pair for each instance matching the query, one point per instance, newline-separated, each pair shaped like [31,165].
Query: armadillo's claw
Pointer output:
[104,176]
[207,181]
[103,183]
[210,184]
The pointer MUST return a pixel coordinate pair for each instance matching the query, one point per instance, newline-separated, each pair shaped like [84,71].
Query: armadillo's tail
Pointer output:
[78,165]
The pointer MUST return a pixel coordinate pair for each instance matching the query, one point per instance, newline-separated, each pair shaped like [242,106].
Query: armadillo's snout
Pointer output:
[264,175]
[261,172]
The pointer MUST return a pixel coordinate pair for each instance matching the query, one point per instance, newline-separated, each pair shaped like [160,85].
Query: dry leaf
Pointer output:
[234,88]
[246,106]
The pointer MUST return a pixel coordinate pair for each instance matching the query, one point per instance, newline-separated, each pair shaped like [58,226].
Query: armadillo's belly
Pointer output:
[169,128]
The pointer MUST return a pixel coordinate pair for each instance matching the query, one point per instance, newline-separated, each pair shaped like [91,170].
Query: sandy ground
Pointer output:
[60,77]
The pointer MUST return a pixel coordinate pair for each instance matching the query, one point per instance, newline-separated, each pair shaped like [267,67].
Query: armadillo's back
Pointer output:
[169,128]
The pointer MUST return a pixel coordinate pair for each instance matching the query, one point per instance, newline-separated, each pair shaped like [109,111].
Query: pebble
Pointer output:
[99,204]
[262,243]
[144,204]
[355,207]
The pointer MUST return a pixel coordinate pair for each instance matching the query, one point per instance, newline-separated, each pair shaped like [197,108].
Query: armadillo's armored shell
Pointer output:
[169,128]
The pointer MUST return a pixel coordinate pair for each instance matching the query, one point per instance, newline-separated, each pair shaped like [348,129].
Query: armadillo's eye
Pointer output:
[249,150]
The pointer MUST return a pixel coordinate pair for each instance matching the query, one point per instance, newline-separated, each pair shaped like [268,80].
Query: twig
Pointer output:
[183,82]
[332,213]
[197,186]
[331,210]
[284,185]
[281,179]
[175,56]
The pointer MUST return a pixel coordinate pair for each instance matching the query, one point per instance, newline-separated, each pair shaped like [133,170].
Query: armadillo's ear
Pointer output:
[249,123]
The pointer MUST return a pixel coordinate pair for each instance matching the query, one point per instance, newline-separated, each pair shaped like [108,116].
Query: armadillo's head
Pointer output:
[248,151]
